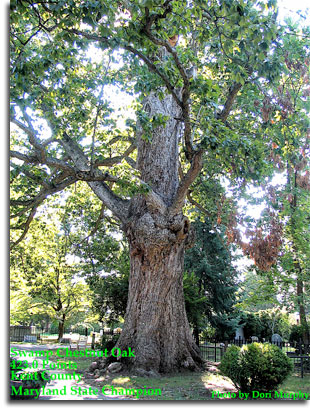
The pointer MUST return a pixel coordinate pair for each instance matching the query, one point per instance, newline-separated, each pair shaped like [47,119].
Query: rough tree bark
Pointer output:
[156,326]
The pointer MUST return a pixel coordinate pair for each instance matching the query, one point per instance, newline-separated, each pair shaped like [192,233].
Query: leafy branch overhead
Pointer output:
[66,129]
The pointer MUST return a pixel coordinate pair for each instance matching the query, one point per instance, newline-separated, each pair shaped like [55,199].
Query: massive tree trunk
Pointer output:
[156,326]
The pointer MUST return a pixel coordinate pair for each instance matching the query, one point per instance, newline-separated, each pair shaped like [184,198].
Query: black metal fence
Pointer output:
[211,350]
[37,334]
[18,333]
[53,331]
[299,352]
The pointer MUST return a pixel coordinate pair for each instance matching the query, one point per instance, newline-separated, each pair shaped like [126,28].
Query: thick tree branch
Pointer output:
[131,162]
[109,162]
[185,183]
[25,158]
[155,203]
[116,204]
[233,91]
[87,177]
[33,205]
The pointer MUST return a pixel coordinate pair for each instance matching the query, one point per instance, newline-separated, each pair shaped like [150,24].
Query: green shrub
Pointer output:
[258,366]
[108,341]
[30,379]
[230,366]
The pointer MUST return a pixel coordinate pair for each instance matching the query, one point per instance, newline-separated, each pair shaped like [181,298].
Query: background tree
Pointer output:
[265,323]
[283,252]
[293,96]
[140,170]
[45,280]
[109,291]
[211,263]
[257,291]
[94,238]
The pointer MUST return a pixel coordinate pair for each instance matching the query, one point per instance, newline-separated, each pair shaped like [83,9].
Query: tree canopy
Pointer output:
[43,279]
[59,92]
[158,109]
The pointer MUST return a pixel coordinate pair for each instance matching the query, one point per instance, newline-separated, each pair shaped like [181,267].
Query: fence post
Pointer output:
[302,367]
[215,351]
[93,341]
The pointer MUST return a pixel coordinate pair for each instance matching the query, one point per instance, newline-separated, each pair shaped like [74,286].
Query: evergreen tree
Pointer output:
[210,261]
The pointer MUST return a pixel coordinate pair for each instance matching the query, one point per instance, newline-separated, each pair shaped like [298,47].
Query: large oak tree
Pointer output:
[193,70]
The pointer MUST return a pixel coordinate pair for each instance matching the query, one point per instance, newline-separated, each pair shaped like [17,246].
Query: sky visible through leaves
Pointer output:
[121,101]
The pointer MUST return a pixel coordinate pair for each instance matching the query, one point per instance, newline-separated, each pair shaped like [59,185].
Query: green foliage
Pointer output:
[265,323]
[229,365]
[23,368]
[296,334]
[256,292]
[57,78]
[257,366]
[44,285]
[108,341]
[69,57]
[210,282]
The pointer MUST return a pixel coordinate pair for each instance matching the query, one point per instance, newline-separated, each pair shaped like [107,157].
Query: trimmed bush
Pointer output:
[258,366]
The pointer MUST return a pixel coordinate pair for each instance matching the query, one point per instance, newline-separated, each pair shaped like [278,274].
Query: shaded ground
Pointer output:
[184,386]
[61,384]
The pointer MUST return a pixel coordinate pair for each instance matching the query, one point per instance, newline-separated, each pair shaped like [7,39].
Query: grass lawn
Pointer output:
[295,383]
[185,386]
